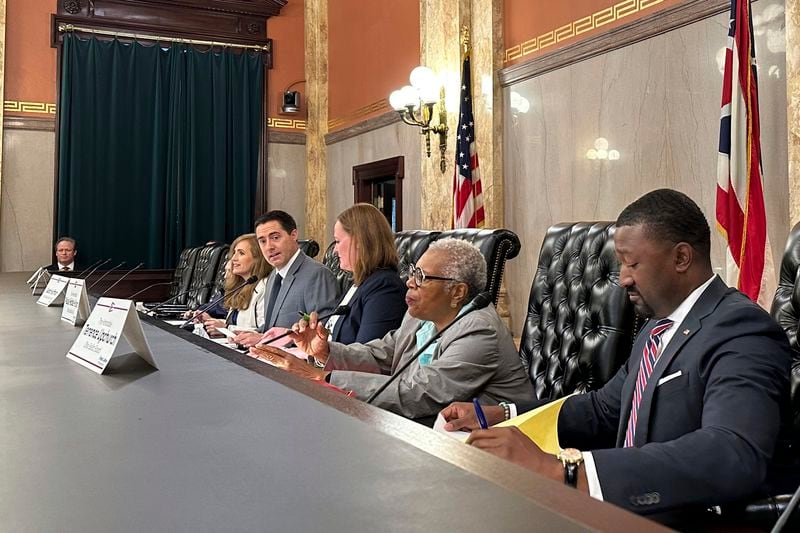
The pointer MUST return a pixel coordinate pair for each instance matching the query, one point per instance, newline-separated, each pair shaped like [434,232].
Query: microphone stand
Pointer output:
[104,275]
[479,302]
[215,301]
[95,268]
[137,293]
[168,300]
[96,263]
[121,278]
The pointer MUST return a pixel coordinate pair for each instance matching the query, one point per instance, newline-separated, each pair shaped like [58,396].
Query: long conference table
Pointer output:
[217,441]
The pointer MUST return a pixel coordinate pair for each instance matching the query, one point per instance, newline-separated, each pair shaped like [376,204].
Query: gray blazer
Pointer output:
[474,358]
[308,286]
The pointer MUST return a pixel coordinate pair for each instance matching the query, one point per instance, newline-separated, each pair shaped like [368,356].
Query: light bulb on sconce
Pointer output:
[416,104]
[601,151]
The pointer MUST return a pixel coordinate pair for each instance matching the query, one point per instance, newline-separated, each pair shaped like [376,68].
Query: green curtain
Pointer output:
[158,148]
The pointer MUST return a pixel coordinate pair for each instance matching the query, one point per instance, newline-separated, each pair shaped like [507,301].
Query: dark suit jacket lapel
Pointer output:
[685,330]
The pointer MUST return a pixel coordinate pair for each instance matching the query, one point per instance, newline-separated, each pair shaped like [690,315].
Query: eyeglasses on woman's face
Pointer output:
[419,276]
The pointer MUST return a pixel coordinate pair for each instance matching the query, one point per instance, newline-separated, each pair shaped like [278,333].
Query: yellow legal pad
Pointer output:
[540,425]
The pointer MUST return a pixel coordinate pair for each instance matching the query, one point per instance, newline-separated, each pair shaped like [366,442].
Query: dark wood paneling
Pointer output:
[241,22]
[29,123]
[132,284]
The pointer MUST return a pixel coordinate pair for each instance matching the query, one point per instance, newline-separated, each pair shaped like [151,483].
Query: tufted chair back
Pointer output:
[219,278]
[331,260]
[580,323]
[410,246]
[786,312]
[205,272]
[497,247]
[310,247]
[183,274]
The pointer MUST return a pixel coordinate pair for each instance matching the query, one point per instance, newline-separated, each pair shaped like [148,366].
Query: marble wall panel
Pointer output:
[286,181]
[26,206]
[657,103]
[390,141]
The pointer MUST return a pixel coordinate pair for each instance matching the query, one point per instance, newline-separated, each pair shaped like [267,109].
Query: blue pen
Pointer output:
[479,414]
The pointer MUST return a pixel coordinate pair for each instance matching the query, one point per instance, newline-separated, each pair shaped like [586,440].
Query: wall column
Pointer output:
[793,106]
[487,60]
[440,50]
[316,69]
[2,82]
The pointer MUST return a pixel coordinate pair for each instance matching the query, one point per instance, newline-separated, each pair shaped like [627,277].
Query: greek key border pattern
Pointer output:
[374,107]
[577,27]
[29,107]
[285,123]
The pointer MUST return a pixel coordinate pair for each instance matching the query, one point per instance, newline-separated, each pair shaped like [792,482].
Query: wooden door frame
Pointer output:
[365,174]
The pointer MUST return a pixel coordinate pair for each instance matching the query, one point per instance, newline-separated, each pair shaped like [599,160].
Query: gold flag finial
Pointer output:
[465,40]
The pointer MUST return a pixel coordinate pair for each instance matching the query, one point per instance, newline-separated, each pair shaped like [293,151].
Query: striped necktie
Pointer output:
[646,365]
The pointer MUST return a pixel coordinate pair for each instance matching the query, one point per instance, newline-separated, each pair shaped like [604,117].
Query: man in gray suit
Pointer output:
[297,284]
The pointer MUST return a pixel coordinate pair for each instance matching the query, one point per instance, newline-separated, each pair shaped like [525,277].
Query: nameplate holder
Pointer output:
[40,282]
[35,275]
[53,294]
[99,339]
[76,303]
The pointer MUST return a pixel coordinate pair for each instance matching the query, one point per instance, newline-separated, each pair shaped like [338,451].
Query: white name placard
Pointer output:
[76,303]
[54,292]
[40,281]
[98,340]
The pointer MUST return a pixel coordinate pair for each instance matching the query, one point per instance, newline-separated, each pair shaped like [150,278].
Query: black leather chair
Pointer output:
[580,324]
[310,247]
[183,276]
[205,273]
[219,279]
[410,246]
[497,247]
[784,475]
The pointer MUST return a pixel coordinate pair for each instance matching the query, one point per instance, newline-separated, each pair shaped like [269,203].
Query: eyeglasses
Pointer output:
[419,276]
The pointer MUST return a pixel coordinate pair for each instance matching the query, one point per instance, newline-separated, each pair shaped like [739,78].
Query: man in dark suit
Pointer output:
[297,284]
[66,249]
[691,420]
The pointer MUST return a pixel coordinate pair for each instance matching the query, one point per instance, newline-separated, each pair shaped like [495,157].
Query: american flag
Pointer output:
[741,217]
[467,194]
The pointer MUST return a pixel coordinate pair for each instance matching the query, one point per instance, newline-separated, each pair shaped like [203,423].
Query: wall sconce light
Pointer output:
[291,99]
[416,104]
[601,151]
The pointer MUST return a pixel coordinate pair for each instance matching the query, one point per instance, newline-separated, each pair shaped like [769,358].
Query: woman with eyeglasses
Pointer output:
[476,358]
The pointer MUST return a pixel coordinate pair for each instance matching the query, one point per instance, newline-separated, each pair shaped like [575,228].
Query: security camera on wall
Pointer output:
[291,102]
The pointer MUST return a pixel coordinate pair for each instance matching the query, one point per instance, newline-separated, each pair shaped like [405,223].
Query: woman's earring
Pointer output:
[453,305]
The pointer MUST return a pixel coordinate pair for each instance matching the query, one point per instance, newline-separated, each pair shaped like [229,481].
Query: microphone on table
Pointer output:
[215,301]
[90,267]
[95,268]
[783,519]
[104,275]
[137,267]
[184,293]
[137,293]
[341,310]
[479,302]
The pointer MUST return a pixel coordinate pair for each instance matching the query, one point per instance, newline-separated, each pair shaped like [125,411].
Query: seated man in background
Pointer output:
[297,284]
[474,358]
[691,420]
[66,250]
